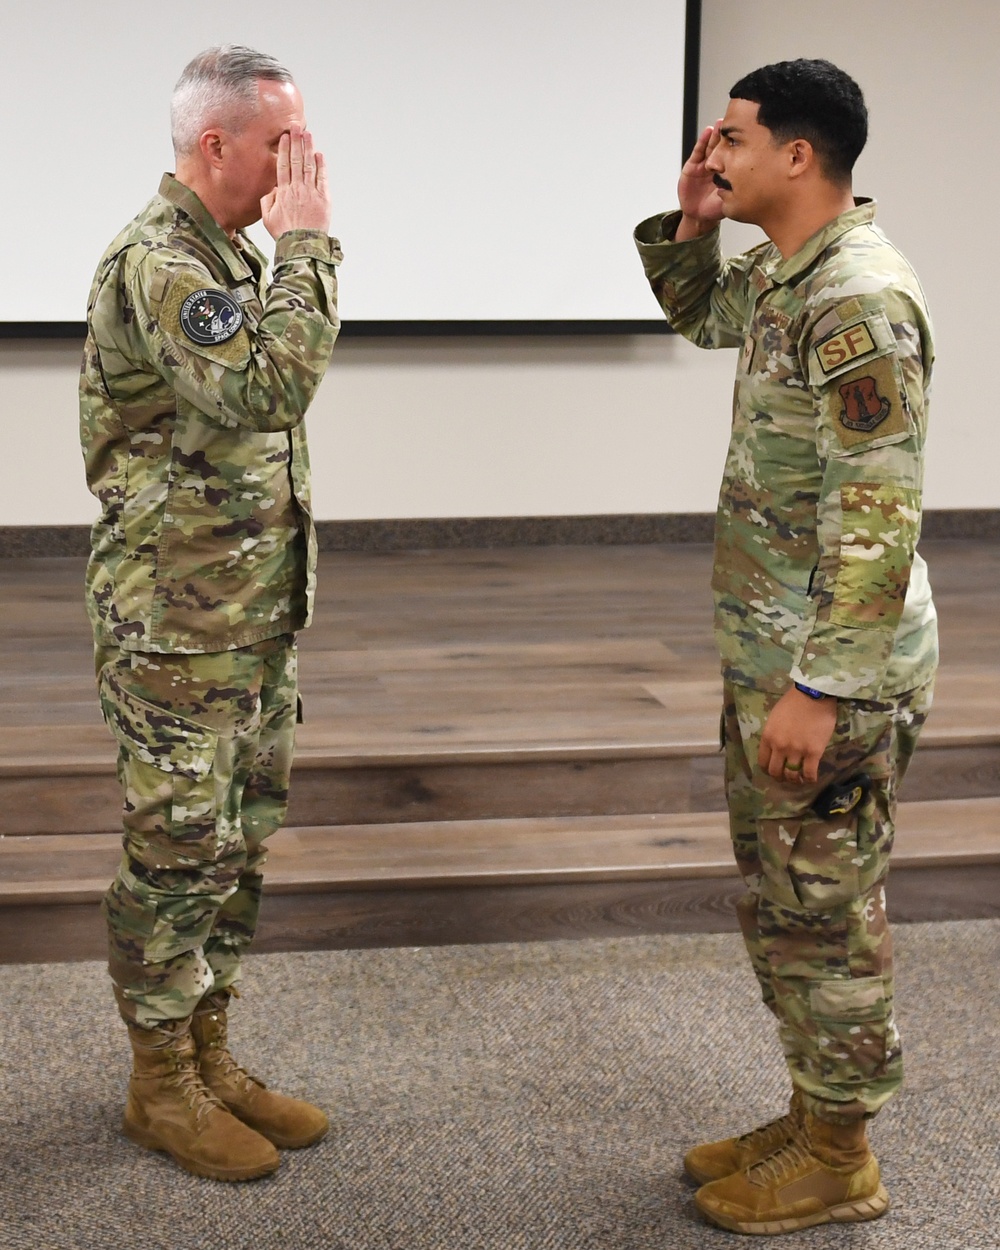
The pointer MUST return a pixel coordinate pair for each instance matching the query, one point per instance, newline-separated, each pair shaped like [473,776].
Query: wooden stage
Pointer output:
[499,744]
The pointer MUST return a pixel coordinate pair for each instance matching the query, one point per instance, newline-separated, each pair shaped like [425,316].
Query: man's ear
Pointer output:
[801,157]
[210,144]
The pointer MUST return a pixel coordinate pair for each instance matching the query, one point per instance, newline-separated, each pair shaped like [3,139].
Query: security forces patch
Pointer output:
[864,408]
[866,404]
[210,316]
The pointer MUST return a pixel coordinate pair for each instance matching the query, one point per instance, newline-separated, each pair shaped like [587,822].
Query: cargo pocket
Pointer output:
[155,735]
[817,865]
[824,867]
[878,536]
[852,1021]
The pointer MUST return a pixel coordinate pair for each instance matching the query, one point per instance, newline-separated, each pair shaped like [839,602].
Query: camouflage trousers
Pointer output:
[813,917]
[204,756]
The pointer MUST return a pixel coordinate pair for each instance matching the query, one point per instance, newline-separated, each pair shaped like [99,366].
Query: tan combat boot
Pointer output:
[717,1159]
[168,1108]
[287,1122]
[826,1174]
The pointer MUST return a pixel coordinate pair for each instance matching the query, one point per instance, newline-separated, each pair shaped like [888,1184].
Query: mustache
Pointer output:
[721,182]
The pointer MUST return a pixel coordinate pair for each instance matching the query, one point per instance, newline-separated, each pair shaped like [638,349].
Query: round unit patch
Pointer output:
[210,316]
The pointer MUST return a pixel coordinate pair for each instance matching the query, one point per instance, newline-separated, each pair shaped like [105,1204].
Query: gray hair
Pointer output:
[219,88]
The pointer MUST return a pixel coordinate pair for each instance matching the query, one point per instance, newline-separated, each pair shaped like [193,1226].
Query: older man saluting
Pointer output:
[197,374]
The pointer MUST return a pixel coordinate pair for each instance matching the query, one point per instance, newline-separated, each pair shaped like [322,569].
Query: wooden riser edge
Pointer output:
[91,892]
[375,919]
[101,764]
[962,833]
[447,791]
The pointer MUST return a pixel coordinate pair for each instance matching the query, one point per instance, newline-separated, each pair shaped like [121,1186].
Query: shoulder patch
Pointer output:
[210,316]
[867,404]
[208,320]
[849,346]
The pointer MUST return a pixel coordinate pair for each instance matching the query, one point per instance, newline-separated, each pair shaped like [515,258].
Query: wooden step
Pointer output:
[539,753]
[506,881]
[61,869]
[547,722]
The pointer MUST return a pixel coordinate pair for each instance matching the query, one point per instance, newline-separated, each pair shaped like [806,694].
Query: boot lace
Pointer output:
[777,1131]
[218,1053]
[229,1069]
[788,1158]
[187,1080]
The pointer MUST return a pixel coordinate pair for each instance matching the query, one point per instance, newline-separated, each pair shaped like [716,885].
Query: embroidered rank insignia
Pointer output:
[864,408]
[210,316]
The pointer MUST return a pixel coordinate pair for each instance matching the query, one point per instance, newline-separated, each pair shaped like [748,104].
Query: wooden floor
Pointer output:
[498,743]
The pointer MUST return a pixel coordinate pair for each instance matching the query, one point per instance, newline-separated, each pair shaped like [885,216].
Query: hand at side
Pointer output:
[797,732]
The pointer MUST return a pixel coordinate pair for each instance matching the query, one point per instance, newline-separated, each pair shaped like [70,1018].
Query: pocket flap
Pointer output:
[848,999]
[155,735]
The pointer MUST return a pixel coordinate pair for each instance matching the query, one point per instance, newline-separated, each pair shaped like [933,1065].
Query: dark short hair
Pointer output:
[811,100]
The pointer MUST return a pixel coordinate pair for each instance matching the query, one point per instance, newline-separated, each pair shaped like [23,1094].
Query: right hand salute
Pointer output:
[301,199]
[697,193]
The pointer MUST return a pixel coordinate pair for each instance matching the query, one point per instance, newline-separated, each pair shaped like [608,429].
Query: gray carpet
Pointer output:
[494,1098]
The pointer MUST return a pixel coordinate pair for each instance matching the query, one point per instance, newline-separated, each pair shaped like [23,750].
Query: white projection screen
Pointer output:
[488,160]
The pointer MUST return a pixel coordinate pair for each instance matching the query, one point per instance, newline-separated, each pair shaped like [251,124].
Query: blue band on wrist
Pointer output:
[808,690]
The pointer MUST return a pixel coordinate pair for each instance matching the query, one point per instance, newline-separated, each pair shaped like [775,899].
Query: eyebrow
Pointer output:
[726,131]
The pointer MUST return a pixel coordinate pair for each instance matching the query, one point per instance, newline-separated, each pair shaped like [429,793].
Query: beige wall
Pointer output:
[423,427]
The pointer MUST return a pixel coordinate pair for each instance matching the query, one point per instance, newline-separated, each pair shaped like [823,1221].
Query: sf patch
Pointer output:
[210,316]
[848,347]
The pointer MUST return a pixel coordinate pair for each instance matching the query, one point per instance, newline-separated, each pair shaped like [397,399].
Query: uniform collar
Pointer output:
[184,198]
[784,271]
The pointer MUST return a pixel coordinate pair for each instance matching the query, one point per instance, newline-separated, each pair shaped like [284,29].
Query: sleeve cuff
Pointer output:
[850,664]
[654,240]
[307,245]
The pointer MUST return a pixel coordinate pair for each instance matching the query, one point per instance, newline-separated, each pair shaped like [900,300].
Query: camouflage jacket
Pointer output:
[816,575]
[196,376]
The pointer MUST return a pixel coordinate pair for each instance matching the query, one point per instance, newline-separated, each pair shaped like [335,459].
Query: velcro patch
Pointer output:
[854,344]
[208,320]
[866,404]
[210,316]
[864,408]
[849,309]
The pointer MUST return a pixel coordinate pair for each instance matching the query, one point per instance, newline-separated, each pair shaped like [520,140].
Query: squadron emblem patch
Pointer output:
[864,408]
[210,316]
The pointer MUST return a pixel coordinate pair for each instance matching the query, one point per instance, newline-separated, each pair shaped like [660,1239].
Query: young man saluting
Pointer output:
[823,613]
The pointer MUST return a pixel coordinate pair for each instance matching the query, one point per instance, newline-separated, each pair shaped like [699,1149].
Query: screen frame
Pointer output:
[63,330]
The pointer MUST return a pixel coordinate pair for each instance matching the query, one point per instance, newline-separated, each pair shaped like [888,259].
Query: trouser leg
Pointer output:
[814,919]
[741,799]
[190,731]
[264,803]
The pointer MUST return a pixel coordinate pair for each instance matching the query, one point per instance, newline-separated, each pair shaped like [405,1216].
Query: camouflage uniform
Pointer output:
[817,580]
[196,376]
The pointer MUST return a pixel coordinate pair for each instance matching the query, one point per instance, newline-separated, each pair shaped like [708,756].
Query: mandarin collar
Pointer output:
[784,271]
[184,198]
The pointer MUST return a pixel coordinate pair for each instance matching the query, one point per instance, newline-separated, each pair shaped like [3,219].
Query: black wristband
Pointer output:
[808,690]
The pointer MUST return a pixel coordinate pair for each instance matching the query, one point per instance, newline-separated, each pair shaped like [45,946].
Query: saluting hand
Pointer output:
[697,193]
[301,199]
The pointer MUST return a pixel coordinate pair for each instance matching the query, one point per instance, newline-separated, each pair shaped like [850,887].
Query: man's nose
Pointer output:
[713,163]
